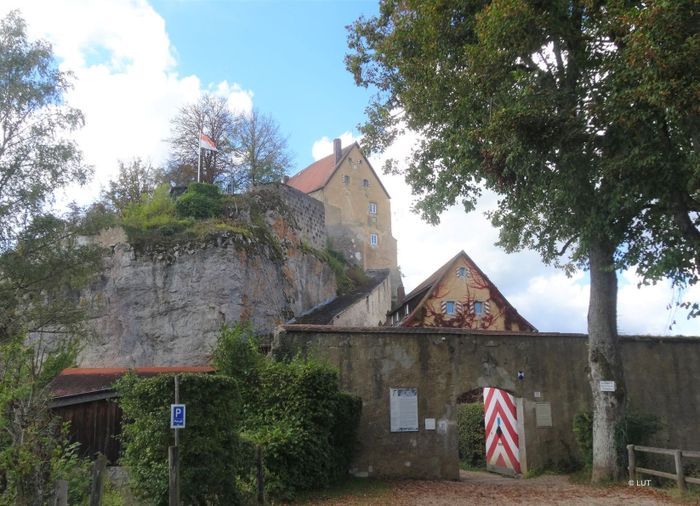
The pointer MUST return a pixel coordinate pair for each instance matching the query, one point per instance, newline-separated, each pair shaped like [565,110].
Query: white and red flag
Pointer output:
[205,142]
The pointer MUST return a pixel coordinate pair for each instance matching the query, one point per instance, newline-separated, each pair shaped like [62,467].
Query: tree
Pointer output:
[211,116]
[260,152]
[250,148]
[134,180]
[42,261]
[35,157]
[557,106]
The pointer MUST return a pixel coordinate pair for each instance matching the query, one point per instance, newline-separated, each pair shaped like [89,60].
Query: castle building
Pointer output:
[357,208]
[460,295]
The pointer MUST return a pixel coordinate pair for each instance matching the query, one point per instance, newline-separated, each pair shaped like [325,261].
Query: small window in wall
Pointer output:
[462,272]
[365,183]
[372,208]
[346,180]
[478,308]
[373,239]
[406,309]
[449,307]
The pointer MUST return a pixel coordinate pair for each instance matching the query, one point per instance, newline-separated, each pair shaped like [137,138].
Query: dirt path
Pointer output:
[480,488]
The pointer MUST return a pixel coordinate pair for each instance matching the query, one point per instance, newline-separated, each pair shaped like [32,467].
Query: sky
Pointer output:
[135,63]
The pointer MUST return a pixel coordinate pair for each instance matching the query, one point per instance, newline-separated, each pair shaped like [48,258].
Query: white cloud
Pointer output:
[126,79]
[324,146]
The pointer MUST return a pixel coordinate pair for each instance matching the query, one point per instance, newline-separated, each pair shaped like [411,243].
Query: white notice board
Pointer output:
[403,403]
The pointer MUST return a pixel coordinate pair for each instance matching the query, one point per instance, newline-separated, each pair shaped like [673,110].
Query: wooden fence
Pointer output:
[677,455]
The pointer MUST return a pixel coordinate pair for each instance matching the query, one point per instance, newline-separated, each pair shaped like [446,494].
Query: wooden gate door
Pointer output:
[502,442]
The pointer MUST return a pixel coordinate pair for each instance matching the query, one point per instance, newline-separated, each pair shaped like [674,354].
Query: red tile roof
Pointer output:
[77,381]
[317,174]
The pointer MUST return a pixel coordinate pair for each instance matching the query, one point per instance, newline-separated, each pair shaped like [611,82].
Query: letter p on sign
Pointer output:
[177,416]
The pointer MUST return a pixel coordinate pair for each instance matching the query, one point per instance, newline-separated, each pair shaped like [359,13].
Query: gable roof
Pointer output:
[318,174]
[426,288]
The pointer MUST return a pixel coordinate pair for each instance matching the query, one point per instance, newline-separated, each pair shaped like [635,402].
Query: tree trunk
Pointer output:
[604,361]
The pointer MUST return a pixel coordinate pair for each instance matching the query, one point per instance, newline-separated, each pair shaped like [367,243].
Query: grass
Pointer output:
[466,466]
[357,488]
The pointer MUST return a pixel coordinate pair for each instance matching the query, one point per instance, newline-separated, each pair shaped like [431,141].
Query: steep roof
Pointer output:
[318,174]
[326,313]
[425,289]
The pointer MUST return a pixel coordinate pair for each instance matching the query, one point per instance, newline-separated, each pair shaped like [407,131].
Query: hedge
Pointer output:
[211,453]
[200,201]
[470,429]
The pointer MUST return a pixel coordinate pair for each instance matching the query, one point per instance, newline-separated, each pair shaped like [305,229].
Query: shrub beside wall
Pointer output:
[471,434]
[211,453]
[295,411]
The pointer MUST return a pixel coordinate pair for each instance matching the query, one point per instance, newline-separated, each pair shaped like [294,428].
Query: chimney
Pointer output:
[337,149]
[400,295]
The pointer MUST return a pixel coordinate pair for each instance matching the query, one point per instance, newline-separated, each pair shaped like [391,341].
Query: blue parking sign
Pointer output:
[177,416]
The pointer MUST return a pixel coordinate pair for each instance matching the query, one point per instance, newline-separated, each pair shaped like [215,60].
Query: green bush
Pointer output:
[153,213]
[635,428]
[470,430]
[295,411]
[200,201]
[211,453]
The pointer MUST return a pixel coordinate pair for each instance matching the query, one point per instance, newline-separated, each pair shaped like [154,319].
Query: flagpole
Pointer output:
[199,158]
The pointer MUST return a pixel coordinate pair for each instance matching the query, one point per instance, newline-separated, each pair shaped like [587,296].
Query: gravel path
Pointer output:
[481,488]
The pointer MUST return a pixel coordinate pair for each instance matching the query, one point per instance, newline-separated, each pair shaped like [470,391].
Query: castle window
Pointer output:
[346,180]
[365,183]
[449,307]
[373,239]
[462,272]
[372,208]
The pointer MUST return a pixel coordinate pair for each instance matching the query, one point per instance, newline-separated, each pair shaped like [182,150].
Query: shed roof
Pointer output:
[326,313]
[79,381]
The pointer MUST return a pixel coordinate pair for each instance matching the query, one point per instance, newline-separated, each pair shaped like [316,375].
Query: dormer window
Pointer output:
[372,208]
[365,183]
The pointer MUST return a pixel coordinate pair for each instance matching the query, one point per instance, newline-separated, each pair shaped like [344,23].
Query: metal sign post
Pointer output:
[177,422]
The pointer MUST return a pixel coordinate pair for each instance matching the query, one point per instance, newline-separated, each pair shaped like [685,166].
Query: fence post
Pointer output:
[632,467]
[98,474]
[173,465]
[261,474]
[680,478]
[60,497]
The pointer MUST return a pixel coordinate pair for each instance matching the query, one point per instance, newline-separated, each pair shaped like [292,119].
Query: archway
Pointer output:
[491,432]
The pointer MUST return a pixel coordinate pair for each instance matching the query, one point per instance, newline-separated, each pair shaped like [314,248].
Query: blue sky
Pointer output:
[136,62]
[289,53]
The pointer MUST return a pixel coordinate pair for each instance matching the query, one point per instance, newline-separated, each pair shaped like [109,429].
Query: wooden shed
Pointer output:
[86,398]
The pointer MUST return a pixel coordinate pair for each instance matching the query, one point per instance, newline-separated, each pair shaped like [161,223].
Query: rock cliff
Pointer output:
[166,305]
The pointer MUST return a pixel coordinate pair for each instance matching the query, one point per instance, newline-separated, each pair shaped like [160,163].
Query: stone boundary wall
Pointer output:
[661,379]
[308,214]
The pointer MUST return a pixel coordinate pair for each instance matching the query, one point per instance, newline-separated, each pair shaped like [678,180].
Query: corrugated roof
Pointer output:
[317,174]
[78,380]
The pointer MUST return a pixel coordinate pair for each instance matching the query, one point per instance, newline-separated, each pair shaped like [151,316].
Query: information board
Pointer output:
[403,403]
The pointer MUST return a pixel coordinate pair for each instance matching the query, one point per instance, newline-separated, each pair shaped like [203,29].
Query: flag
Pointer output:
[205,142]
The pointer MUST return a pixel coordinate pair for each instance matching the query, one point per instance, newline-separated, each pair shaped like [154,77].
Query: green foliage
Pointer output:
[306,426]
[135,180]
[210,450]
[635,428]
[155,212]
[470,433]
[34,449]
[200,201]
[37,156]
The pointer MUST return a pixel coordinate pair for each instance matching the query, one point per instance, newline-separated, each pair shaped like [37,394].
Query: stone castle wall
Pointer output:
[443,364]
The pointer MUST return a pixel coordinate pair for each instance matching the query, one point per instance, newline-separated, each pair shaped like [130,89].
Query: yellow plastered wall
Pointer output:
[473,287]
[348,211]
